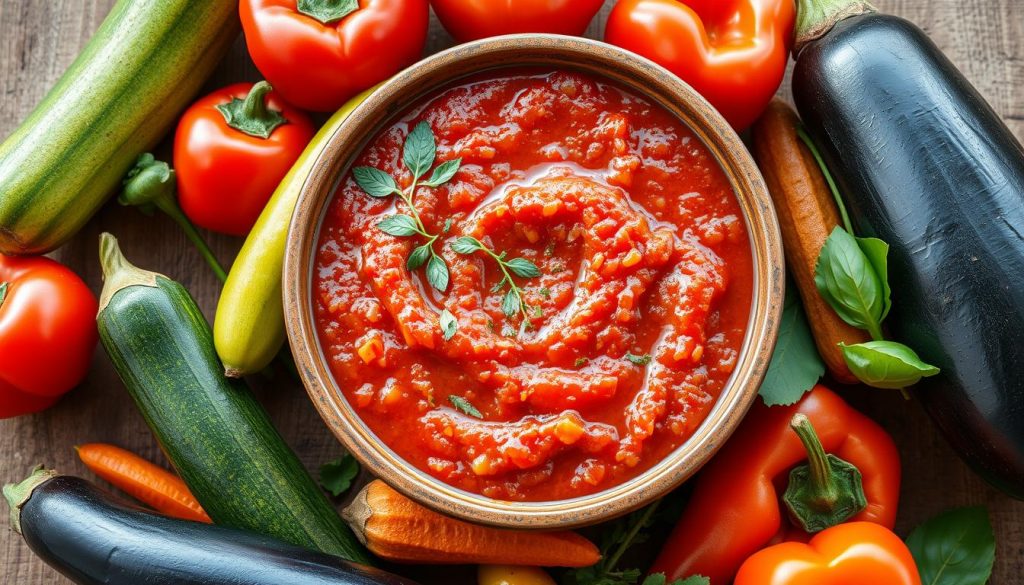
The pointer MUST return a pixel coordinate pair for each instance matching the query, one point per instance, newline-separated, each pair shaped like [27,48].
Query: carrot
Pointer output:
[151,484]
[807,215]
[398,529]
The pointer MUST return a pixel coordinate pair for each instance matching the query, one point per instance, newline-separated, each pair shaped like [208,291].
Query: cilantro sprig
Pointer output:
[513,302]
[418,155]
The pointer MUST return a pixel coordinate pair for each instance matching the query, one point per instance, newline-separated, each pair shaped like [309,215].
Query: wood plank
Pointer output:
[985,38]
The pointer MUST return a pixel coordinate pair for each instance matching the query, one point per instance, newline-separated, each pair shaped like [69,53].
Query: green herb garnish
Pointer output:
[418,155]
[640,360]
[581,361]
[512,302]
[464,406]
[955,548]
[336,476]
[449,324]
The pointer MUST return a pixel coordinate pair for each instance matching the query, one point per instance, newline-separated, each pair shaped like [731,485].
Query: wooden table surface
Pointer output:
[40,38]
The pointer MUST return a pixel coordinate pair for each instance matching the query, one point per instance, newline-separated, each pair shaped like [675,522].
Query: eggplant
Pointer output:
[94,538]
[924,163]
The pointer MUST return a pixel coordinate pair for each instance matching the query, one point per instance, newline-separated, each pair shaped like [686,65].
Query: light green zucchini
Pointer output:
[121,95]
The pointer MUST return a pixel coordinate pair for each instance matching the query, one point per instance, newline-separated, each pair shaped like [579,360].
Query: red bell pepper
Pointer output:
[468,20]
[47,333]
[320,53]
[735,509]
[857,552]
[733,52]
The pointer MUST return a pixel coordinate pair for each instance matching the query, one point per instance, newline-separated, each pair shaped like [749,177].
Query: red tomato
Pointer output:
[47,333]
[319,65]
[733,52]
[468,20]
[225,176]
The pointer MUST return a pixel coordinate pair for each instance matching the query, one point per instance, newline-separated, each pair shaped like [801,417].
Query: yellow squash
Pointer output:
[248,329]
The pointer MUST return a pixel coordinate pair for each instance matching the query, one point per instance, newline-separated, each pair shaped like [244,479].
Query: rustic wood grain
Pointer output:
[40,38]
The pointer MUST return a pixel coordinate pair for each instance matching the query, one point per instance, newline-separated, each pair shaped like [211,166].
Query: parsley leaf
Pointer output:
[420,149]
[464,406]
[336,476]
[640,360]
[449,324]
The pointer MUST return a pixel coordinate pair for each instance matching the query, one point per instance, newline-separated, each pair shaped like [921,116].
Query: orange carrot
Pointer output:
[398,529]
[150,484]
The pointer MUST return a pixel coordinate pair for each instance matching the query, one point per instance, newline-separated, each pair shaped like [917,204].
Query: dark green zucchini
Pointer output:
[924,163]
[94,538]
[141,68]
[212,429]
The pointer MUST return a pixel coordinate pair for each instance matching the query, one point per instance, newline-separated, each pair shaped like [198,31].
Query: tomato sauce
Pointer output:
[620,346]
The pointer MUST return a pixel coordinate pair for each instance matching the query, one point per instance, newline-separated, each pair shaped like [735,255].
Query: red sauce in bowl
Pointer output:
[621,344]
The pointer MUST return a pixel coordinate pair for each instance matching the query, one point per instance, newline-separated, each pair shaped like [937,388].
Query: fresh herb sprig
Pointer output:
[852,276]
[418,155]
[513,302]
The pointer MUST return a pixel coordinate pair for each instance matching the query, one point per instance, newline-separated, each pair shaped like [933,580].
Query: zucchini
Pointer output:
[925,164]
[94,538]
[212,429]
[248,329]
[120,96]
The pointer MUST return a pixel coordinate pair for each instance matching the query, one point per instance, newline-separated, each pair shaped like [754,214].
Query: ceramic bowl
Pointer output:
[550,51]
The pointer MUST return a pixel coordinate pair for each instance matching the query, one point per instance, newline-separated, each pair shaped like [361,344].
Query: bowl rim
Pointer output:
[626,69]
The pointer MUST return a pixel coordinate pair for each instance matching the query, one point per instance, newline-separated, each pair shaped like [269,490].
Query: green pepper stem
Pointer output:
[814,18]
[151,183]
[3,293]
[252,115]
[822,488]
[171,208]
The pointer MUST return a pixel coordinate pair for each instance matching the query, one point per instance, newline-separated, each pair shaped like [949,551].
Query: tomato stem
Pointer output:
[252,115]
[825,492]
[327,11]
[3,293]
[150,184]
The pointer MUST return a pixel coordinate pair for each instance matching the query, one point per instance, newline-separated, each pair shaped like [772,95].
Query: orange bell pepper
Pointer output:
[856,553]
[735,509]
[733,52]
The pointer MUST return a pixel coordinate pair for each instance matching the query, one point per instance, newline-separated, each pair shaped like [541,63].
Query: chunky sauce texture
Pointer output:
[634,324]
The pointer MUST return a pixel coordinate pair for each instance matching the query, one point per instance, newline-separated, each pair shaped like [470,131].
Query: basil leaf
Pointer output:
[420,149]
[640,360]
[437,273]
[418,257]
[464,406]
[398,225]
[447,225]
[375,182]
[336,477]
[466,245]
[523,268]
[660,579]
[877,253]
[954,548]
[449,325]
[886,364]
[510,303]
[795,366]
[443,173]
[845,278]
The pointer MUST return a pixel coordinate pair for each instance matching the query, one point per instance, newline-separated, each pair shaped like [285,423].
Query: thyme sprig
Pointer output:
[513,302]
[418,155]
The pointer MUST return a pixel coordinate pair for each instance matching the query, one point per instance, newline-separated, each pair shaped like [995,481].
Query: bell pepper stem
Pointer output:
[814,18]
[252,115]
[822,488]
[825,492]
[151,184]
[3,293]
